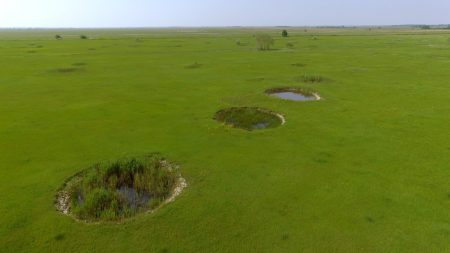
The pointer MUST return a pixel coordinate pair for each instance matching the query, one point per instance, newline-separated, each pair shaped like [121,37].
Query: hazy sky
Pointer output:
[143,13]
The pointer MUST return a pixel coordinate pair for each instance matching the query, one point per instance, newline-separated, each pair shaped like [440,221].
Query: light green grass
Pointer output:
[366,169]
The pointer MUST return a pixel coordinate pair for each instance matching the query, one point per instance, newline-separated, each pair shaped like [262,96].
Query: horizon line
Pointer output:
[225,26]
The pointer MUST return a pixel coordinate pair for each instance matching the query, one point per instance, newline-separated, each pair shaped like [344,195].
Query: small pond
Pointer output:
[294,94]
[249,118]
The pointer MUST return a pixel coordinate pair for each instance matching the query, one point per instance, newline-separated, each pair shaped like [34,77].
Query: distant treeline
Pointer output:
[420,26]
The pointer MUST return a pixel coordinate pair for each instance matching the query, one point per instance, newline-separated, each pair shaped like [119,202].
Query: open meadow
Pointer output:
[364,169]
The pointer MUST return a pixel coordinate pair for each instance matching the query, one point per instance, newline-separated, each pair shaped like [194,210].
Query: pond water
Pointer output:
[289,95]
[261,125]
[134,199]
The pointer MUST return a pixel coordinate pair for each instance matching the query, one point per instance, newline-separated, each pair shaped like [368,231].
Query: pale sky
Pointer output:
[163,13]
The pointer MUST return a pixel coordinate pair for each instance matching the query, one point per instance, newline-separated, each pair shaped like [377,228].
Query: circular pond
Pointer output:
[249,118]
[112,191]
[294,94]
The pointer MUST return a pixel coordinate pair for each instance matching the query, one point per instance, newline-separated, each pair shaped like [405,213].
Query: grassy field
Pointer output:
[366,169]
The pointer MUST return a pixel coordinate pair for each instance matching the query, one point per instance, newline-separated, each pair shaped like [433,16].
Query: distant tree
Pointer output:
[264,41]
[425,27]
[284,33]
[83,37]
[58,37]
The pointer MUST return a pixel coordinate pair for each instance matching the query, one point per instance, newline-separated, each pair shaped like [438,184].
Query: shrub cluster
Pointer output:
[264,41]
[310,78]
[194,65]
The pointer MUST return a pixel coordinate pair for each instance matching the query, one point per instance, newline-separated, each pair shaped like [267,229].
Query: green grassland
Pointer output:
[366,169]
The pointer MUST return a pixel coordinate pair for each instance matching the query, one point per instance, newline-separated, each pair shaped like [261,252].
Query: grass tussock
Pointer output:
[310,78]
[66,70]
[120,189]
[257,79]
[194,65]
[79,64]
[241,43]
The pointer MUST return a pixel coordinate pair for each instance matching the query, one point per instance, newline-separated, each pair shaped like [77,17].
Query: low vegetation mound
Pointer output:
[310,78]
[194,65]
[66,70]
[79,64]
[249,118]
[120,189]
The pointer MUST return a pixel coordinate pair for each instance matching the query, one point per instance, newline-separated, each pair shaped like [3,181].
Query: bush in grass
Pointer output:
[98,195]
[194,65]
[264,41]
[58,37]
[66,70]
[83,37]
[284,33]
[241,43]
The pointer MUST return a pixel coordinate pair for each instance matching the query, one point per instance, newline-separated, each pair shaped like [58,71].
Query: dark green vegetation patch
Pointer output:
[120,189]
[249,118]
[194,65]
[310,78]
[66,70]
[79,64]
